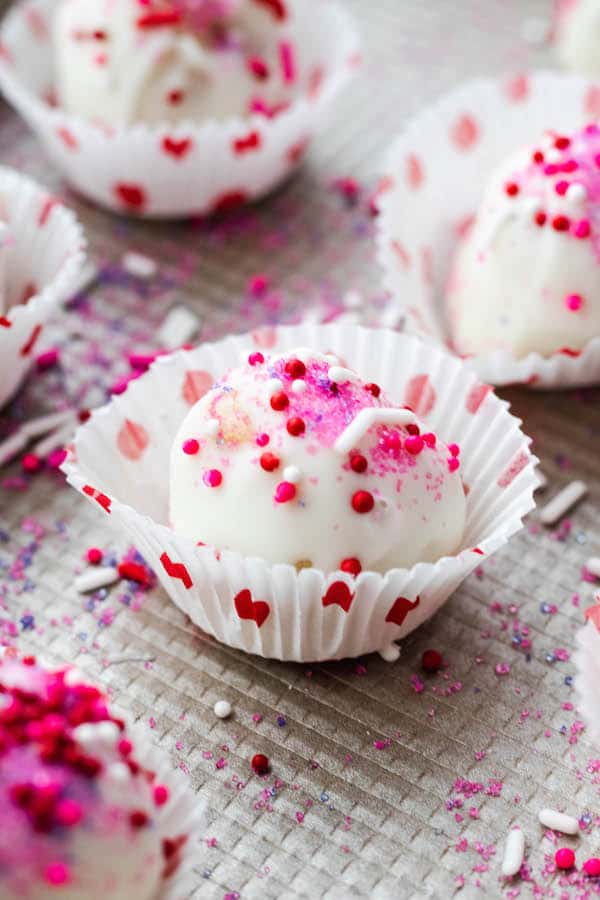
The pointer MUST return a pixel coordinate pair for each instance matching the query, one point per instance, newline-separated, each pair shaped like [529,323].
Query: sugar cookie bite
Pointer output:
[77,810]
[295,459]
[526,277]
[121,62]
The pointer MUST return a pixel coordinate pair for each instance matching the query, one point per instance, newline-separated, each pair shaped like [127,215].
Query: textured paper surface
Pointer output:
[378,825]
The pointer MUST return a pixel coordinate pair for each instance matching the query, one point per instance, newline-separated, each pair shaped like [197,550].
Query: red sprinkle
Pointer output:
[212,478]
[269,462]
[191,446]
[561,223]
[564,858]
[591,867]
[94,556]
[279,401]
[31,463]
[540,218]
[373,389]
[132,571]
[260,764]
[295,426]
[362,501]
[430,439]
[561,143]
[538,157]
[512,189]
[453,464]
[414,444]
[161,794]
[258,67]
[351,565]
[256,359]
[262,439]
[47,360]
[159,19]
[295,368]
[454,449]
[431,661]
[358,462]
[561,188]
[138,819]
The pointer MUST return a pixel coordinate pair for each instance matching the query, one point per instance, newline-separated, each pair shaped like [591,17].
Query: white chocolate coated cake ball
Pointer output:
[77,810]
[526,277]
[577,33]
[120,62]
[295,459]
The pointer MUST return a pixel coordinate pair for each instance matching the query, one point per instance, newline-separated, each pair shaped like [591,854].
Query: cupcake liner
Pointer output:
[120,461]
[587,682]
[176,170]
[42,261]
[183,816]
[437,170]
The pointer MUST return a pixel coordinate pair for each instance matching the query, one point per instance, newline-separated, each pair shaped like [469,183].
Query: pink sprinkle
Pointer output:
[284,492]
[502,668]
[191,446]
[262,440]
[94,556]
[454,449]
[453,464]
[574,302]
[256,359]
[414,444]
[212,478]
[258,67]
[47,360]
[256,717]
[68,813]
[57,873]
[31,463]
[288,64]
[257,286]
[161,794]
[591,867]
[57,458]
[561,188]
[582,229]
[141,361]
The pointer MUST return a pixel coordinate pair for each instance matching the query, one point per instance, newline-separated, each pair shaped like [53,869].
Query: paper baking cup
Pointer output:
[587,681]
[436,173]
[120,461]
[183,816]
[189,168]
[42,262]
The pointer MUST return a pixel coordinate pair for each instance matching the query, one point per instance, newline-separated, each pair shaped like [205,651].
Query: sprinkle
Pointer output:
[274,386]
[576,193]
[190,447]
[269,462]
[212,478]
[373,389]
[295,426]
[94,556]
[453,464]
[557,821]
[591,867]
[288,63]
[340,375]
[563,502]
[256,359]
[260,764]
[502,669]
[139,265]
[161,794]
[295,368]
[351,565]
[96,578]
[561,223]
[262,439]
[362,501]
[132,571]
[390,654]
[582,229]
[299,386]
[514,852]
[179,327]
[57,873]
[47,360]
[279,401]
[358,462]
[564,858]
[258,67]
[431,661]
[365,420]
[281,721]
[512,189]
[414,444]
[31,463]
[222,709]
[292,474]
[574,302]
[284,492]
[540,218]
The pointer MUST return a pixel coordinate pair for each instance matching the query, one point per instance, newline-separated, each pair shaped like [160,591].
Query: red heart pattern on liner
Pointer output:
[247,608]
[400,609]
[176,570]
[338,594]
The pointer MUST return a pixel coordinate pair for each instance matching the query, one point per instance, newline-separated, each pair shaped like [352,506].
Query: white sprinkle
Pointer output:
[352,300]
[274,385]
[44,424]
[211,427]
[292,474]
[222,709]
[139,265]
[557,821]
[340,375]
[57,438]
[92,579]
[298,386]
[593,566]
[85,734]
[563,502]
[514,852]
[179,327]
[366,418]
[576,193]
[390,653]
[12,446]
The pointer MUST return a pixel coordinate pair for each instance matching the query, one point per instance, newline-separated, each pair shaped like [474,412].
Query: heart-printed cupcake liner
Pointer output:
[587,660]
[435,175]
[192,168]
[42,257]
[120,461]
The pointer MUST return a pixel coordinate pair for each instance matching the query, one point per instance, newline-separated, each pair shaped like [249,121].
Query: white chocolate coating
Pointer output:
[578,36]
[526,278]
[315,477]
[113,69]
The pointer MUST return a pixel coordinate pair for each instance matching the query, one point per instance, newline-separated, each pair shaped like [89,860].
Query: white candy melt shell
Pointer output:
[191,168]
[43,261]
[121,462]
[434,180]
[587,681]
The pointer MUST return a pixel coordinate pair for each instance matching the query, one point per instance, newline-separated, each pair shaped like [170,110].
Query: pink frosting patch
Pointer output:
[517,88]
[464,132]
[476,396]
[517,465]
[132,440]
[195,385]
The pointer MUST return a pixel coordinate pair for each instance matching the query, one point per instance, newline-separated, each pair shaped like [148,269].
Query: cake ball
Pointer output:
[155,61]
[526,277]
[577,33]
[77,810]
[295,459]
